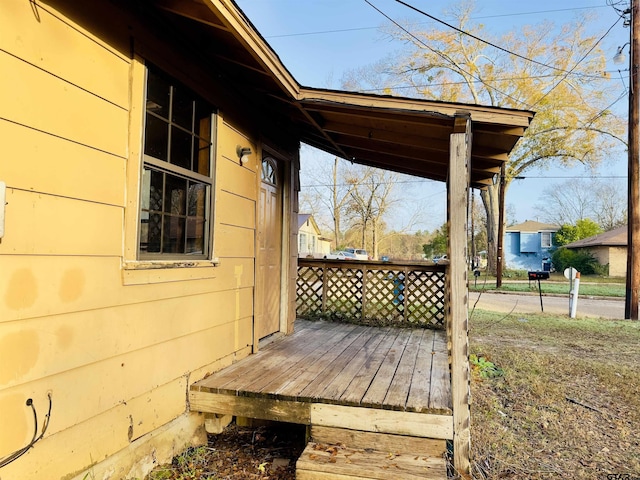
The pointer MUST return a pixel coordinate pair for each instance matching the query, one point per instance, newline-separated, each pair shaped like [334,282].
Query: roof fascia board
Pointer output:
[491,115]
[244,31]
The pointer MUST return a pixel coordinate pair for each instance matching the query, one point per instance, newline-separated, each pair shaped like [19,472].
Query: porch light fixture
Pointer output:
[243,154]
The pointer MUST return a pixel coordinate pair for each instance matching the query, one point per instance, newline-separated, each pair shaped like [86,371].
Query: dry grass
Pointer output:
[568,405]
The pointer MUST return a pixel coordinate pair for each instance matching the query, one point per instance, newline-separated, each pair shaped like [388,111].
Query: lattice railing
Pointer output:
[386,293]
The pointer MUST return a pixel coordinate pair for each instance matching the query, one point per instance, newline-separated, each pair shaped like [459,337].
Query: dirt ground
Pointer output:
[240,453]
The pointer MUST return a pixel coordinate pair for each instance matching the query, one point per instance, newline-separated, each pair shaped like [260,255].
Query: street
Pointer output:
[587,307]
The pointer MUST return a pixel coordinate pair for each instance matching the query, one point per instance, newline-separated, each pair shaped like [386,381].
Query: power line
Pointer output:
[406,87]
[577,63]
[357,29]
[480,39]
[440,54]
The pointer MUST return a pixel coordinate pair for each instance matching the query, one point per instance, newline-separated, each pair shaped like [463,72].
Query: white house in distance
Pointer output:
[311,243]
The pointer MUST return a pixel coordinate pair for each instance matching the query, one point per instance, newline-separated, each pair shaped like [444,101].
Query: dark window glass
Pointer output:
[156,138]
[182,112]
[158,94]
[181,148]
[175,195]
[154,237]
[173,234]
[174,206]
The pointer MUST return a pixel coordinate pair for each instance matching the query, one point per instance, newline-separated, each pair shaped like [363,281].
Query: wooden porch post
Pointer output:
[457,211]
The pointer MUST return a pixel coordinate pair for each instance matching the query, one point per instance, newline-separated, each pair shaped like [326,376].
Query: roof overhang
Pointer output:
[405,135]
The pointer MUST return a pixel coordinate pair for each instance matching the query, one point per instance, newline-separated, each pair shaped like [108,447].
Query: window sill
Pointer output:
[162,271]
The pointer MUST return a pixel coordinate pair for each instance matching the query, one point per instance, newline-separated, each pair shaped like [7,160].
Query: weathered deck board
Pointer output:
[376,393]
[398,392]
[318,462]
[420,391]
[338,364]
[307,371]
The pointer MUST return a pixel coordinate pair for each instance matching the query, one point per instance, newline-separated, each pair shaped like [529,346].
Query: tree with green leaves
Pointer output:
[583,228]
[438,244]
[553,70]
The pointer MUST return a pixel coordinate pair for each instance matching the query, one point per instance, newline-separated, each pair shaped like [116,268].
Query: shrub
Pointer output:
[581,260]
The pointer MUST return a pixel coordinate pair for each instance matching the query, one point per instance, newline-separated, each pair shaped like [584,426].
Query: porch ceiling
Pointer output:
[400,134]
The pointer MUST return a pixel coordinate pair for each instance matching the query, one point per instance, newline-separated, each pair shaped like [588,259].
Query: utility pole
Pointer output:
[500,259]
[633,229]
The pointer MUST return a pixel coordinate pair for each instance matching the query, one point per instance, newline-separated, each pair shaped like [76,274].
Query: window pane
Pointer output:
[195,235]
[203,158]
[181,148]
[173,234]
[203,121]
[182,112]
[197,198]
[155,191]
[154,234]
[156,137]
[175,195]
[196,221]
[158,97]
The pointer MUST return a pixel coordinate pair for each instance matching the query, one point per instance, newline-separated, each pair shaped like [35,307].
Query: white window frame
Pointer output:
[544,244]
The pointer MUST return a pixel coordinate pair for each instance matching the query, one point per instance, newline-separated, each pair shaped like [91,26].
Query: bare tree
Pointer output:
[602,201]
[370,201]
[326,195]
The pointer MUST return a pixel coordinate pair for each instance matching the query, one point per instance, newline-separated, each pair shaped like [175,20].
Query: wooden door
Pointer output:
[269,261]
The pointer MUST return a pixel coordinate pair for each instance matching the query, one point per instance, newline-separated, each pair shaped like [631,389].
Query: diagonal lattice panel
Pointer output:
[309,291]
[385,295]
[426,298]
[372,292]
[344,291]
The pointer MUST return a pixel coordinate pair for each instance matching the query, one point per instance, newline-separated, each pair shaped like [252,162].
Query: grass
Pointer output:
[588,289]
[566,403]
[517,281]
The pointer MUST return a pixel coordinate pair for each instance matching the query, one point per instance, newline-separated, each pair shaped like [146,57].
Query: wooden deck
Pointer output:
[339,364]
[353,385]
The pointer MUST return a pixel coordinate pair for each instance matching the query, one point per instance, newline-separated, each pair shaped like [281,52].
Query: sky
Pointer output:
[319,41]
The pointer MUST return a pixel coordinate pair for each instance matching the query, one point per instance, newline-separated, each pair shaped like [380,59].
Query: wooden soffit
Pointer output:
[405,135]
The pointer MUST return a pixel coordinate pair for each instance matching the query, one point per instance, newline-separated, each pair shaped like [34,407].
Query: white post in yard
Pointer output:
[574,295]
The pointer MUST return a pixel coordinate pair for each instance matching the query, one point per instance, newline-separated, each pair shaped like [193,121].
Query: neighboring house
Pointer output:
[311,243]
[527,245]
[150,152]
[609,248]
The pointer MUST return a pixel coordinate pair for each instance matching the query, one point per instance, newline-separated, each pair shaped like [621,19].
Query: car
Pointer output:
[360,253]
[340,256]
[441,258]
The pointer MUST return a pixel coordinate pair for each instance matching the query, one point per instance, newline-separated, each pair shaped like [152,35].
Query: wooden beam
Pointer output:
[250,407]
[192,10]
[490,115]
[383,421]
[457,199]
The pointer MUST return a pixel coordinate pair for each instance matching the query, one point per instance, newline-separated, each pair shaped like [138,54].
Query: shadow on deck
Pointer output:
[364,387]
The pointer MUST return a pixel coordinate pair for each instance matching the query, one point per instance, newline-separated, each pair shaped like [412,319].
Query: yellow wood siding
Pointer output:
[46,224]
[85,173]
[38,99]
[115,344]
[235,210]
[72,450]
[44,38]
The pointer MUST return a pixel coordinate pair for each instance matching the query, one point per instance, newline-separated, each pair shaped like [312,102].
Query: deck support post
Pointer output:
[457,215]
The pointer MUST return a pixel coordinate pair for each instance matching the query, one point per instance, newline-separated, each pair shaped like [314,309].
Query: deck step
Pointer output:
[321,461]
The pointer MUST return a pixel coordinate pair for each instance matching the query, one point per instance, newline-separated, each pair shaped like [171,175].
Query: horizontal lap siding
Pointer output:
[117,354]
